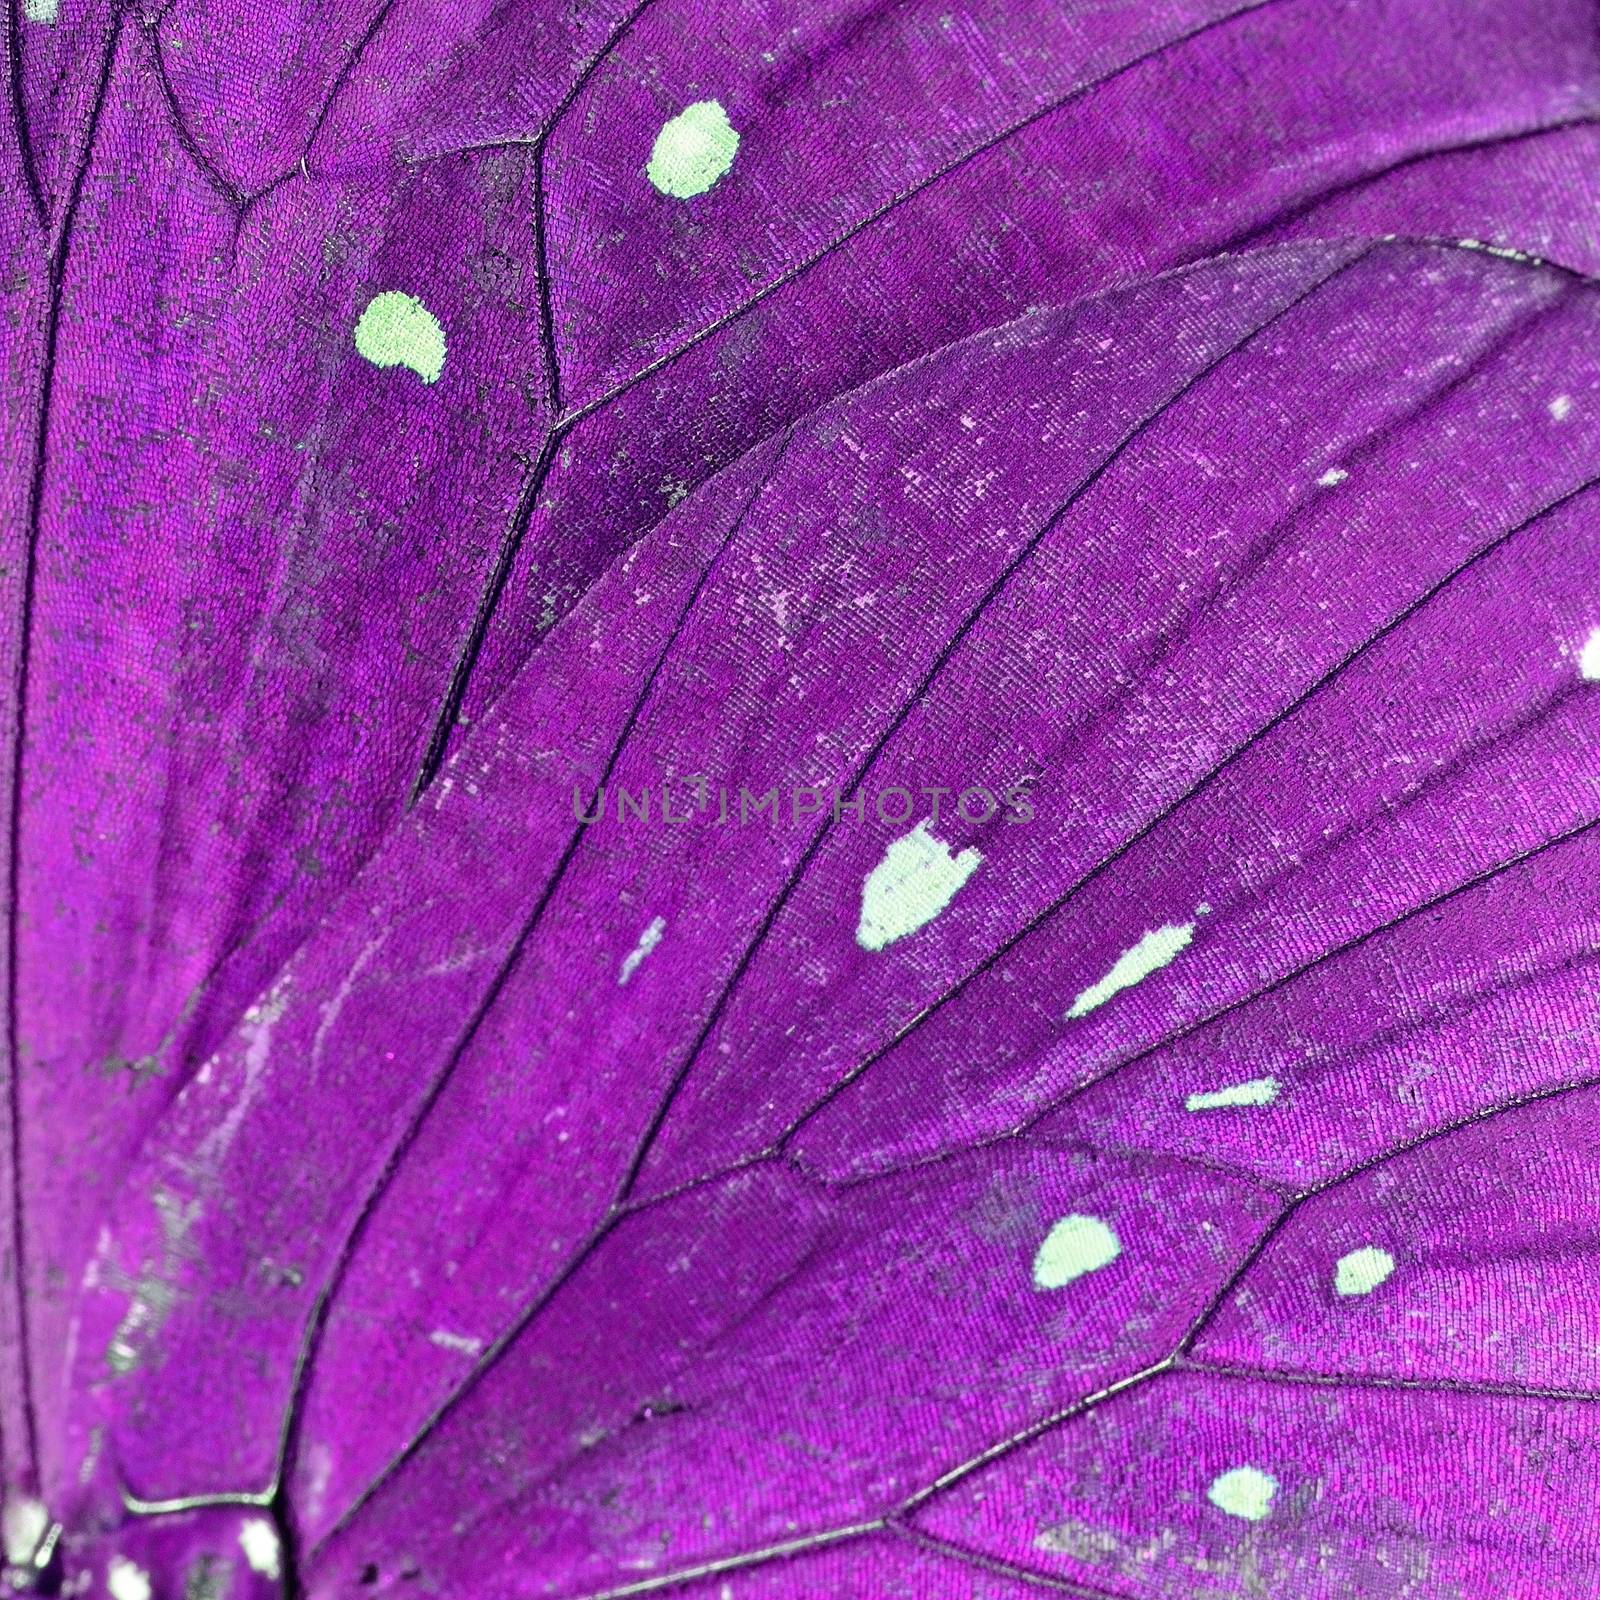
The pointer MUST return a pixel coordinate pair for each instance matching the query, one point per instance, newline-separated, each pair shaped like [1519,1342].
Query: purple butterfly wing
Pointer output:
[603,1206]
[351,353]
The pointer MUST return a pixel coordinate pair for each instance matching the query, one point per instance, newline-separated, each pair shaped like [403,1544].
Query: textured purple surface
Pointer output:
[1184,412]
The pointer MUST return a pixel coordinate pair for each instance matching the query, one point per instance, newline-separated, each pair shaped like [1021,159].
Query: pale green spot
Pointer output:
[40,11]
[397,330]
[1362,1270]
[1155,950]
[693,150]
[1253,1092]
[1074,1246]
[1243,1492]
[917,878]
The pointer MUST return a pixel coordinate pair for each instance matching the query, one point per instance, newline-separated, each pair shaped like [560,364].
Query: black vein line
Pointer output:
[455,691]
[1240,752]
[923,686]
[737,1563]
[19,115]
[353,56]
[1026,1435]
[1476,1388]
[20,684]
[541,219]
[241,201]
[1299,210]
[1445,1130]
[699,1356]
[235,197]
[950,1550]
[888,1525]
[491,995]
[19,123]
[581,81]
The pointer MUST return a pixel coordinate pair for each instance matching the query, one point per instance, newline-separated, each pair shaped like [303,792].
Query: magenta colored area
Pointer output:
[1182,416]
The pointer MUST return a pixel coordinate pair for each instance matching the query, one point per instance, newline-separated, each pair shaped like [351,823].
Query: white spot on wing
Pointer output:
[259,1541]
[917,878]
[648,940]
[693,150]
[22,1525]
[1362,1270]
[1074,1246]
[44,11]
[461,1343]
[1561,408]
[1243,1492]
[397,330]
[1332,478]
[1589,658]
[1253,1092]
[126,1581]
[1157,949]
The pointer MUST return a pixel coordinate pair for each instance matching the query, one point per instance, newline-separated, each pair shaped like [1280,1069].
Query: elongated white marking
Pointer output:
[126,1581]
[1332,478]
[463,1344]
[259,1541]
[397,330]
[1074,1246]
[1561,408]
[1362,1270]
[23,1521]
[693,150]
[1589,658]
[917,878]
[648,940]
[1253,1092]
[1158,948]
[1243,1492]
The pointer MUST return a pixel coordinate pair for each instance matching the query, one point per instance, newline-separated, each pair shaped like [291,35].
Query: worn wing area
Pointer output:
[695,1193]
[352,343]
